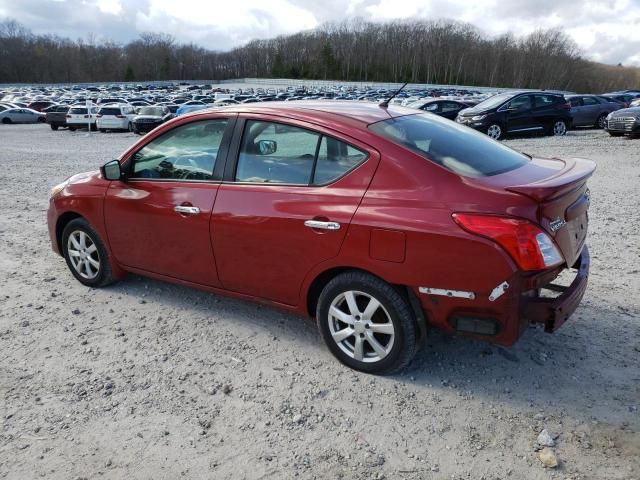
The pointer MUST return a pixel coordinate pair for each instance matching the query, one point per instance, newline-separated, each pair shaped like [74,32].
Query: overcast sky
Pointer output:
[605,30]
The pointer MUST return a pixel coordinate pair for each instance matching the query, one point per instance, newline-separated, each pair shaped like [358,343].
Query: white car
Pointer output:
[79,116]
[115,117]
[21,115]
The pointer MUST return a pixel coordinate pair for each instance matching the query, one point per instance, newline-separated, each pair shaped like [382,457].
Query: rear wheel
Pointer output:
[93,127]
[72,129]
[559,128]
[495,131]
[6,121]
[366,323]
[103,130]
[41,119]
[54,127]
[85,254]
[602,120]
[616,134]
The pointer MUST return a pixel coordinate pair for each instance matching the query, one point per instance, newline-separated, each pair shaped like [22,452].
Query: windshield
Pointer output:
[493,102]
[455,147]
[156,111]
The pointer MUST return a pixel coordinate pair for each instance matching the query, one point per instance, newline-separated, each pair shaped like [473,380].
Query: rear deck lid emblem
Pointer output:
[557,224]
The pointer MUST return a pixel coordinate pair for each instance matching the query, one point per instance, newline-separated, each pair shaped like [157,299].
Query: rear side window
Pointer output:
[545,100]
[590,101]
[335,158]
[455,147]
[284,154]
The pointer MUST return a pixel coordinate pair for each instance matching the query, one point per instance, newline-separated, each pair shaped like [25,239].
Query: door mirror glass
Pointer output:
[111,170]
[267,147]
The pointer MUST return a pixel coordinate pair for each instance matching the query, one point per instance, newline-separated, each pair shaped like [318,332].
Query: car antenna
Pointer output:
[385,103]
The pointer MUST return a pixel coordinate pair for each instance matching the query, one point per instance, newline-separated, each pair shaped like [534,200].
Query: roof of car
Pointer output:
[362,112]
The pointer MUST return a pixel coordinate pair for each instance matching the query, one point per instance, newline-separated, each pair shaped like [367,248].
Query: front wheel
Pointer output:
[86,254]
[366,323]
[559,128]
[495,131]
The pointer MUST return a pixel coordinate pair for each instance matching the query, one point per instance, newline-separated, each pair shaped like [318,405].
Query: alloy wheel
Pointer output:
[494,131]
[83,254]
[559,128]
[361,326]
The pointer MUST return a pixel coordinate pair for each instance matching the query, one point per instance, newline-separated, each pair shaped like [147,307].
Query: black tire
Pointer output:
[395,309]
[130,127]
[41,120]
[495,131]
[616,134]
[6,121]
[601,121]
[104,275]
[103,130]
[54,127]
[94,127]
[72,129]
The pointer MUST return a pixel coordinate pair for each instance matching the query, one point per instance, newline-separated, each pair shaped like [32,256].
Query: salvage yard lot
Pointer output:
[149,380]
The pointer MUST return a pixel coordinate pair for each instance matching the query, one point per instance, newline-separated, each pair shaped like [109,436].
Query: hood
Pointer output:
[472,111]
[626,112]
[147,117]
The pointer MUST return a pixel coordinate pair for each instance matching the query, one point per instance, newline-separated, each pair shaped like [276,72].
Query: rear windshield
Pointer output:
[455,147]
[110,111]
[78,110]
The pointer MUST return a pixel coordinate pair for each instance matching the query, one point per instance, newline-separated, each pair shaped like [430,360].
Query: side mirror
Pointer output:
[267,147]
[111,170]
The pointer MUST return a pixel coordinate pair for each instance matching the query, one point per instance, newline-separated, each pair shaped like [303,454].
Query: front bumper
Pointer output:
[554,312]
[478,125]
[623,125]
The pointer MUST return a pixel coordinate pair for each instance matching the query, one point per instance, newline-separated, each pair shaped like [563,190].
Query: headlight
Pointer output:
[609,117]
[477,118]
[58,188]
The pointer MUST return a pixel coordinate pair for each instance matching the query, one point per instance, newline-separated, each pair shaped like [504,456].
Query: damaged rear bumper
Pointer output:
[553,312]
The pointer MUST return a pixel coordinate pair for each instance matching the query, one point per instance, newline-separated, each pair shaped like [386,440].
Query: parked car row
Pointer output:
[142,108]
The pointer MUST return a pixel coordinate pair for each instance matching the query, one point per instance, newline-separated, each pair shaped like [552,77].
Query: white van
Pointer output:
[79,116]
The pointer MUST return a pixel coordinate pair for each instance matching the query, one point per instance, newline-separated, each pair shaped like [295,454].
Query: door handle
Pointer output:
[186,210]
[322,225]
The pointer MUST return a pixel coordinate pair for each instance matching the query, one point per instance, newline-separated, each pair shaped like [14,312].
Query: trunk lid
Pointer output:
[559,187]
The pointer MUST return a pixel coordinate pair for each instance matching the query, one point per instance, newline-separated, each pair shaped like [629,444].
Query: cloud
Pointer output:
[605,30]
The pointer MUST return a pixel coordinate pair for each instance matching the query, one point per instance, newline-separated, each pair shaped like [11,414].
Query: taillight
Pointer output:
[68,116]
[529,246]
[120,116]
[99,115]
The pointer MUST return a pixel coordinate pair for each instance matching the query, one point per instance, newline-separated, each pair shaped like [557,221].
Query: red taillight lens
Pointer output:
[120,116]
[529,246]
[99,115]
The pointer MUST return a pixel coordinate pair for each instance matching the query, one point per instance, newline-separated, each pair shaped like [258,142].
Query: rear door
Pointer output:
[289,194]
[546,109]
[158,219]
[590,110]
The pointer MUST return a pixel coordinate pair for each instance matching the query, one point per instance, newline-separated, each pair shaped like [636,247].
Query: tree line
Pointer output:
[437,52]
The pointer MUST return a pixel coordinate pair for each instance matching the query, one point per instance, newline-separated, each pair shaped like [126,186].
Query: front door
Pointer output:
[519,114]
[291,194]
[158,219]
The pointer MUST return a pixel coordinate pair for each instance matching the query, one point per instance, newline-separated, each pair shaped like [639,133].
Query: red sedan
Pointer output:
[379,222]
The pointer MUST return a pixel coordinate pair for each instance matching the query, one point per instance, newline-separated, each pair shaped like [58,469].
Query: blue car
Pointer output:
[191,106]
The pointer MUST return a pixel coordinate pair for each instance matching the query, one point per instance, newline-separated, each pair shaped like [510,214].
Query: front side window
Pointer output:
[457,148]
[284,154]
[187,152]
[520,103]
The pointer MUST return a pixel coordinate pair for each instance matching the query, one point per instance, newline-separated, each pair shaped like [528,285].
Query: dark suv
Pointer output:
[519,112]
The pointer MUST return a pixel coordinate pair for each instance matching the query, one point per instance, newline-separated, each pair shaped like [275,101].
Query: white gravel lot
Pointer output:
[147,380]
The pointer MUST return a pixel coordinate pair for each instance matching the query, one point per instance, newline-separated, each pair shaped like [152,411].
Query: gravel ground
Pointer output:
[149,380]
